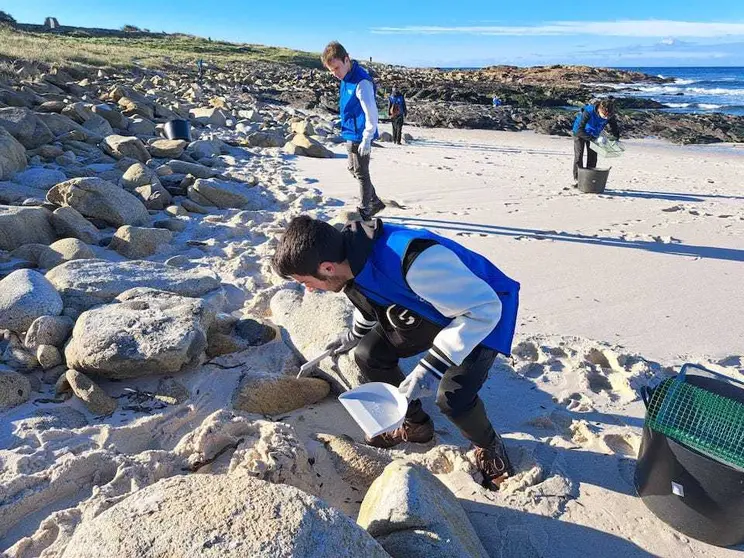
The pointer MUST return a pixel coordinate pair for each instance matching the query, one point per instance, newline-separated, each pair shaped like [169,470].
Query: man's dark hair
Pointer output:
[306,244]
[333,50]
[607,105]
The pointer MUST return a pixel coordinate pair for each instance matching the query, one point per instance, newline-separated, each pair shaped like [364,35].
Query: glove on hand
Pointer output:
[343,344]
[419,383]
[365,148]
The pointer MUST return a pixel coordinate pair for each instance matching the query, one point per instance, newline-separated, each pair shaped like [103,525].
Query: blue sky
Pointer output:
[442,33]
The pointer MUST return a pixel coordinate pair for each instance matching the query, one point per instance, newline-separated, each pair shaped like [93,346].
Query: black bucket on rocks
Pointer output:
[178,130]
[593,181]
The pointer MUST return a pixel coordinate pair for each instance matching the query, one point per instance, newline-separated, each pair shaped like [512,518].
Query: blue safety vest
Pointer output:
[594,125]
[382,281]
[350,108]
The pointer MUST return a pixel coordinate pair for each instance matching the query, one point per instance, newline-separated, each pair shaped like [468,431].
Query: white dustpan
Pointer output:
[376,407]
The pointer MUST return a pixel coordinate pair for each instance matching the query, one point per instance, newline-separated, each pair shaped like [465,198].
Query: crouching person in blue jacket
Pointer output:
[414,292]
[588,125]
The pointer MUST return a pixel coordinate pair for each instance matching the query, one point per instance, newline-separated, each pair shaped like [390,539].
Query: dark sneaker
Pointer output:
[407,432]
[494,464]
[368,212]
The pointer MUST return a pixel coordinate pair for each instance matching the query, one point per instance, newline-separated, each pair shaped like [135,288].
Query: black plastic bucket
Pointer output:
[178,129]
[691,492]
[593,181]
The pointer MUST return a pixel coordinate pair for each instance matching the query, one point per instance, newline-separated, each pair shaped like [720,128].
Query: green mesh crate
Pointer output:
[706,422]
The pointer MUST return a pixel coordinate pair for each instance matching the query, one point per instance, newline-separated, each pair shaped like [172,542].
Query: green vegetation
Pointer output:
[86,48]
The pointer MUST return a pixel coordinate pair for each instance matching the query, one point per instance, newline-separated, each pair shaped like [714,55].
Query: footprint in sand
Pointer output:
[531,370]
[526,350]
[577,402]
[626,444]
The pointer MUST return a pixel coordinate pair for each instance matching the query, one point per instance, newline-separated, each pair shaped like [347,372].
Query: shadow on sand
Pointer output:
[688,250]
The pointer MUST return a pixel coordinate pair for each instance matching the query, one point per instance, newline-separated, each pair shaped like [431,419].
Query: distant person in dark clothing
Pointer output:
[587,127]
[397,111]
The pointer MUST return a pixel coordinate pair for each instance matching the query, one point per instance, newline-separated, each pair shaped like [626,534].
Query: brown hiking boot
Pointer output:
[494,464]
[407,432]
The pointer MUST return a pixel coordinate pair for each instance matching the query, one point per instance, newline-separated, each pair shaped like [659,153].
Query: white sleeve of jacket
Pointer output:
[361,325]
[439,277]
[365,92]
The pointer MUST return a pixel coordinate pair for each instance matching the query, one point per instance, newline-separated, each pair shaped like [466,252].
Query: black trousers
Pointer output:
[457,397]
[397,129]
[358,166]
[578,163]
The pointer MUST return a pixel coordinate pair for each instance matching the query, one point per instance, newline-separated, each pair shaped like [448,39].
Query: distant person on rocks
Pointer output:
[397,111]
[496,101]
[414,292]
[588,125]
[358,110]
[200,69]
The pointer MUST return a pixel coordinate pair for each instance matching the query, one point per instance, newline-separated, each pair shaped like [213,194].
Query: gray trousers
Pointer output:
[359,168]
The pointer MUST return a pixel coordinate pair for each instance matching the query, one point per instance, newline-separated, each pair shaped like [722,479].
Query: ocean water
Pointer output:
[694,90]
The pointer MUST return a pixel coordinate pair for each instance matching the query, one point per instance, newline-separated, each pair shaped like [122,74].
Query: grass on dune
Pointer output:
[152,51]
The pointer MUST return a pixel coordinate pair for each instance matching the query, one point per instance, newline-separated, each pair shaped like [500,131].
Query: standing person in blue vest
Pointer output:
[414,292]
[358,111]
[397,111]
[588,125]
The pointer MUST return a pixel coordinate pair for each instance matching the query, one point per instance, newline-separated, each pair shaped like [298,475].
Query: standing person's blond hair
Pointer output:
[357,108]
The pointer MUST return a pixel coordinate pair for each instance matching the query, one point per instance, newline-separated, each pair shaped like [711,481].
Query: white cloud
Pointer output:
[626,28]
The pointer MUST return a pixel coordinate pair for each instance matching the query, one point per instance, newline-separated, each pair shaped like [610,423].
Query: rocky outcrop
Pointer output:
[86,283]
[99,199]
[413,515]
[225,516]
[12,155]
[24,225]
[24,296]
[145,332]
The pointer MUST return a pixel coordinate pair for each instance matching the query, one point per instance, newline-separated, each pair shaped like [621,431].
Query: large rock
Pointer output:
[68,222]
[98,125]
[139,242]
[227,194]
[40,178]
[312,147]
[146,332]
[64,250]
[413,515]
[138,174]
[95,399]
[297,312]
[48,330]
[171,149]
[204,148]
[99,199]
[209,115]
[59,125]
[225,516]
[86,283]
[24,296]
[194,169]
[272,395]
[24,225]
[15,194]
[15,389]
[12,155]
[125,146]
[25,126]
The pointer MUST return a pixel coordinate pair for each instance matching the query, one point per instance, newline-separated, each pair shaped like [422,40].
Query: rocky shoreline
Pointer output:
[543,99]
